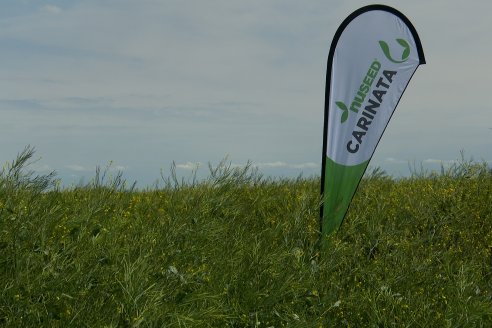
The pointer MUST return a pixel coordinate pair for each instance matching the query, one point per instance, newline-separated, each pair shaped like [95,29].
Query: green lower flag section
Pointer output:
[340,185]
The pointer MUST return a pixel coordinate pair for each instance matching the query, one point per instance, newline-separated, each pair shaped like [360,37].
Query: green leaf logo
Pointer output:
[406,51]
[344,108]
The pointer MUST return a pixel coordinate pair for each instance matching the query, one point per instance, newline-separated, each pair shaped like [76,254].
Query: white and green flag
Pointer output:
[372,58]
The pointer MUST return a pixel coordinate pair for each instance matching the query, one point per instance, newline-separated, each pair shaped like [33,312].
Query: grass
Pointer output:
[240,250]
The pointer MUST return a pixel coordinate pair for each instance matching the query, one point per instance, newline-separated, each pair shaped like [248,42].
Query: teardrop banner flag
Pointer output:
[373,56]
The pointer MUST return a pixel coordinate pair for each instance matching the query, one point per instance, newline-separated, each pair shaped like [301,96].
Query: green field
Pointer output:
[240,250]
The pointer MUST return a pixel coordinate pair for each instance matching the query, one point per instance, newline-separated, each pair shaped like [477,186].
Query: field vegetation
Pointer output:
[241,250]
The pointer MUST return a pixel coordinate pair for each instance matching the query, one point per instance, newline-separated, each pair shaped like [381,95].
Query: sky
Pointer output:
[140,84]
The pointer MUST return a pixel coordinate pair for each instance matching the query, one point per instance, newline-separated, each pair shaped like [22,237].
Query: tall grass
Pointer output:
[240,250]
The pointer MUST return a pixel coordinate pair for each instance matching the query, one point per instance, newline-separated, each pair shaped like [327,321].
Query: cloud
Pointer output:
[188,166]
[118,168]
[266,165]
[439,161]
[308,165]
[76,168]
[271,165]
[81,168]
[42,168]
[280,164]
[393,160]
[51,9]
[433,161]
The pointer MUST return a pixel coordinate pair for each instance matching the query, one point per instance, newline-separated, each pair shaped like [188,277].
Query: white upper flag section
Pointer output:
[372,58]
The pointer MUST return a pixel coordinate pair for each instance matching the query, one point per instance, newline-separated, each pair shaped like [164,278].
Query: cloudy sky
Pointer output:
[143,83]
